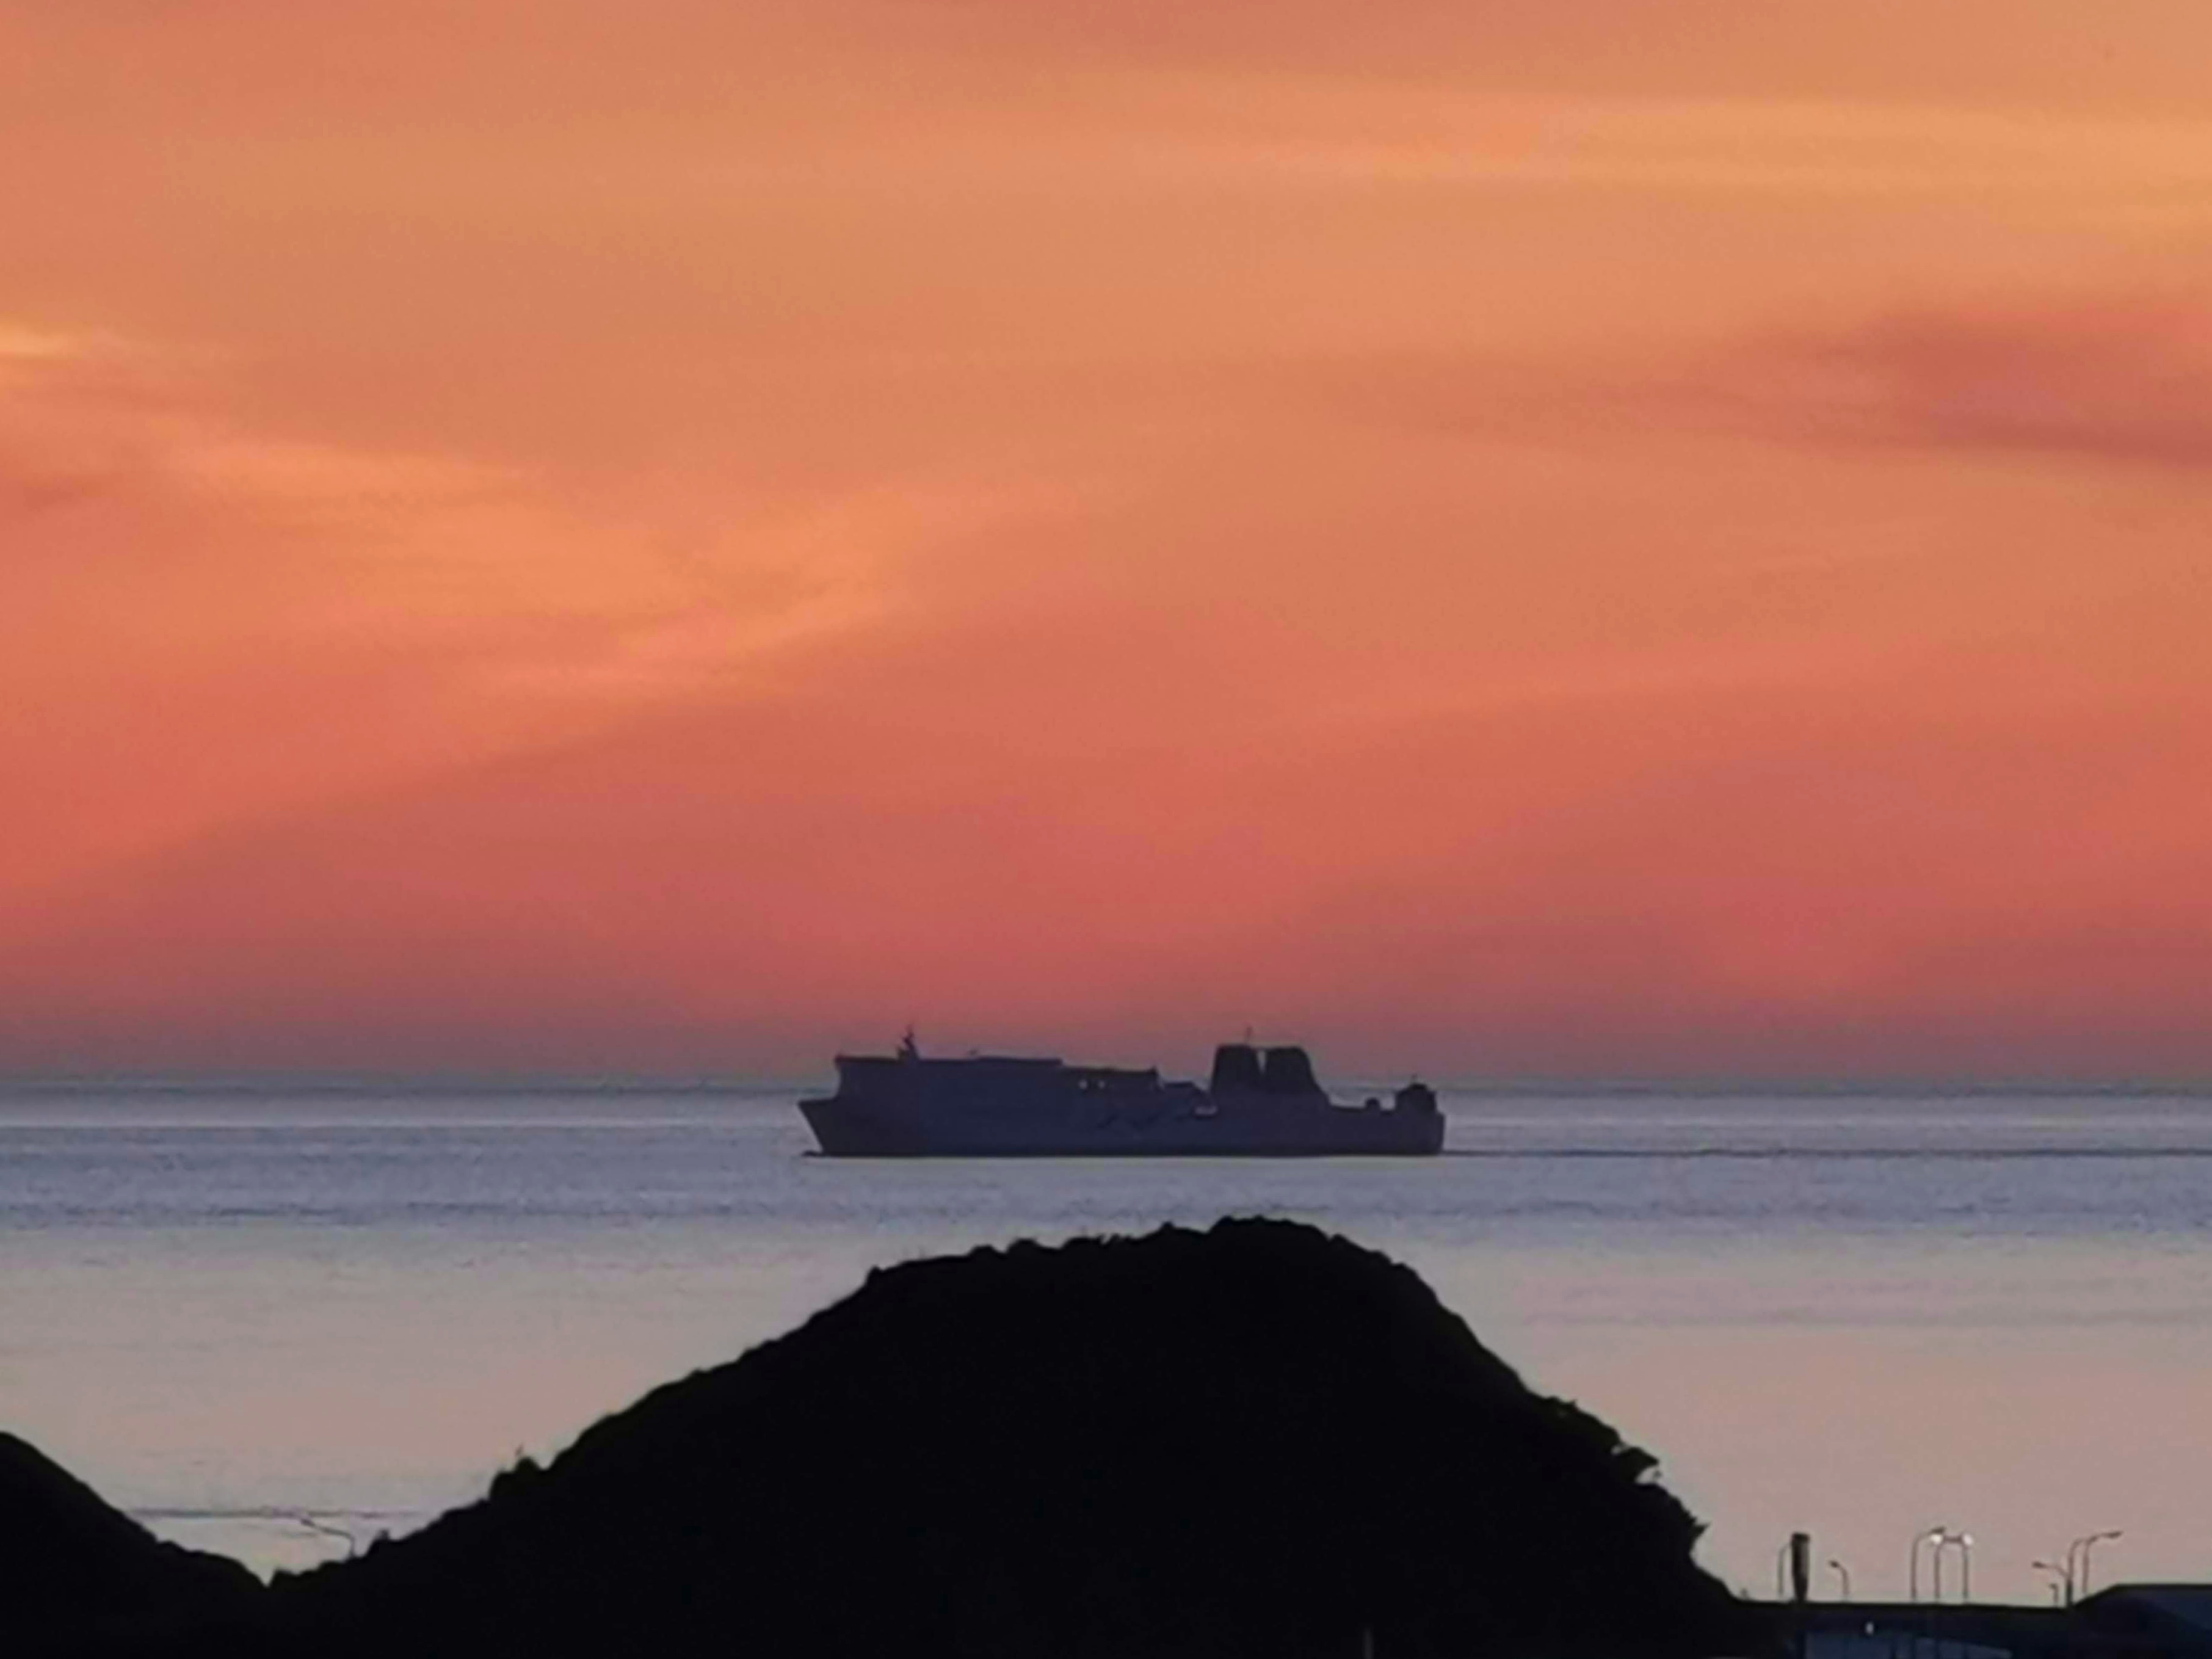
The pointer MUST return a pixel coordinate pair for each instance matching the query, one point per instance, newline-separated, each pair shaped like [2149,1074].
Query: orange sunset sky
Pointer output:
[1509,537]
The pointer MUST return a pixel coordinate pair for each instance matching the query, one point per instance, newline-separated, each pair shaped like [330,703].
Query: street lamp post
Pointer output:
[1965,1540]
[2088,1544]
[1933,1535]
[1844,1573]
[2077,1579]
[2061,1582]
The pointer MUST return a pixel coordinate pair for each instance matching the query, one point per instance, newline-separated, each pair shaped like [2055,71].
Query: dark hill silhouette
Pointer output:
[1255,1440]
[70,1563]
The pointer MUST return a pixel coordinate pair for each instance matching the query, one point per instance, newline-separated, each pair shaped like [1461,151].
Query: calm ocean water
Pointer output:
[264,1322]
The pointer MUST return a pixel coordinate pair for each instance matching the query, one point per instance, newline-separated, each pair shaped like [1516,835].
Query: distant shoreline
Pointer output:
[345,1085]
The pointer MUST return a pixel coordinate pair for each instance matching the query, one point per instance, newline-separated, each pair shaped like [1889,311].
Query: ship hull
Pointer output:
[1260,1127]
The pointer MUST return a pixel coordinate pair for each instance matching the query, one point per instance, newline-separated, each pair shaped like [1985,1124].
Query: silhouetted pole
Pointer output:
[2077,1580]
[1965,1540]
[2062,1582]
[1932,1535]
[1797,1552]
[1913,1567]
[2088,1544]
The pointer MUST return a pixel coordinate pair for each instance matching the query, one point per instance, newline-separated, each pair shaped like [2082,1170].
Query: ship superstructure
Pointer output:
[1263,1102]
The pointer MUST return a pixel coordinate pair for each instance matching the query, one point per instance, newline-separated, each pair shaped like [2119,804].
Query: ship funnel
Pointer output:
[1236,1066]
[1288,1072]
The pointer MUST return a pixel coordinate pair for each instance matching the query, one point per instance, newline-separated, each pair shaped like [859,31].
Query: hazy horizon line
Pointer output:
[501,1082]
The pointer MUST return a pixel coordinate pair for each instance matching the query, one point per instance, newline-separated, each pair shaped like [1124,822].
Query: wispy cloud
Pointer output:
[296,539]
[2122,379]
[20,343]
[246,619]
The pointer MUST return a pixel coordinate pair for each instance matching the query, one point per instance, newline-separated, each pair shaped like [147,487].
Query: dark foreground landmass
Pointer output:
[1255,1440]
[68,1561]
